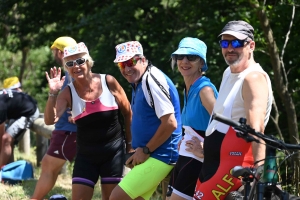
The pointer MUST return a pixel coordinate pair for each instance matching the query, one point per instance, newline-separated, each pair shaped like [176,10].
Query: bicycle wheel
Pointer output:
[234,195]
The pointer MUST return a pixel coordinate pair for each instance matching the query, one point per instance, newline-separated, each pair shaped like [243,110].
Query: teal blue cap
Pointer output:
[192,46]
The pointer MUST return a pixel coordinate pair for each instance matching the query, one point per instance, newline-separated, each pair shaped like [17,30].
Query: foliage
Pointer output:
[158,24]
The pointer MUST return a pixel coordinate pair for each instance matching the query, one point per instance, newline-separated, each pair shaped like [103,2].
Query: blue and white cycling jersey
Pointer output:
[153,97]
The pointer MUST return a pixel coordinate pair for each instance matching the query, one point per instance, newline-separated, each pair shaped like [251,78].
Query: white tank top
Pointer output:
[230,102]
[105,102]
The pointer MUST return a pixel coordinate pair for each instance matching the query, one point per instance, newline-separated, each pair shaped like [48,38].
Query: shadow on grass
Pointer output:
[29,185]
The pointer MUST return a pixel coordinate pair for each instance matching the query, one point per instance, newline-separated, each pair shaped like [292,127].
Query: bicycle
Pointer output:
[264,179]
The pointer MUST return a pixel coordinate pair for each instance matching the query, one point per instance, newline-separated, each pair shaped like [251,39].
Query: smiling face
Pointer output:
[189,68]
[78,70]
[134,73]
[237,57]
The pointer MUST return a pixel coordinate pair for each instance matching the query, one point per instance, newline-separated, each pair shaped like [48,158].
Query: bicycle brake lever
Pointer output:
[238,171]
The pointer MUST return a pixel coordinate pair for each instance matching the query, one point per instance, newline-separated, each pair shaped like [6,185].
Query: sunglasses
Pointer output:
[234,43]
[129,63]
[79,61]
[189,57]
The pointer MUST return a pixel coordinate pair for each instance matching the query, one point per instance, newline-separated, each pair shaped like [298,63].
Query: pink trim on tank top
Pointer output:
[93,107]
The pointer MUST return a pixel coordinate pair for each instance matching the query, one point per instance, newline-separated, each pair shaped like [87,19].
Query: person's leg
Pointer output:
[177,197]
[85,176]
[62,147]
[106,190]
[111,172]
[186,178]
[12,156]
[14,132]
[142,180]
[51,167]
[119,193]
[82,192]
[6,149]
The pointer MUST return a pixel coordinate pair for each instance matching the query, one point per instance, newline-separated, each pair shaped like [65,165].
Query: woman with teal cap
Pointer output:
[199,98]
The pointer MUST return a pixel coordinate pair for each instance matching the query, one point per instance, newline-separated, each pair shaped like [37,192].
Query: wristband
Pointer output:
[52,95]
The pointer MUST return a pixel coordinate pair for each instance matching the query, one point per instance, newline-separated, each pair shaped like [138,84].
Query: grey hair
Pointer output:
[173,62]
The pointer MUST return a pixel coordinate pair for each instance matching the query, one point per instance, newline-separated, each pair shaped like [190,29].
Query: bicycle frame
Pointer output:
[266,177]
[268,174]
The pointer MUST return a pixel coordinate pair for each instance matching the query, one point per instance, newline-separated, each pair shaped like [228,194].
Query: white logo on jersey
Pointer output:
[235,153]
[56,152]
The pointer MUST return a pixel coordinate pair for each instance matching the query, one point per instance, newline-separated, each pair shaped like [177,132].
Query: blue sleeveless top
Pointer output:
[194,113]
[63,123]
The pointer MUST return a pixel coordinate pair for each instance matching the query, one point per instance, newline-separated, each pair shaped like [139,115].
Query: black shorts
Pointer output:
[106,161]
[184,176]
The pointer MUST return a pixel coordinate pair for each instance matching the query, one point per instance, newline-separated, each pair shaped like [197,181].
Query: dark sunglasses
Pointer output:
[129,63]
[79,61]
[234,43]
[189,57]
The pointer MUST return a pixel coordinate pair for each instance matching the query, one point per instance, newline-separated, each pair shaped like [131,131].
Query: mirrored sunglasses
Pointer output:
[189,57]
[129,63]
[234,43]
[79,61]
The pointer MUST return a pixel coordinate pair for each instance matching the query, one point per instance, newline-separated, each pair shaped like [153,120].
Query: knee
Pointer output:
[50,165]
[113,196]
[117,193]
[45,165]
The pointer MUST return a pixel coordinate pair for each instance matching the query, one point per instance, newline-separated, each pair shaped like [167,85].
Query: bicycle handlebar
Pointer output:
[244,129]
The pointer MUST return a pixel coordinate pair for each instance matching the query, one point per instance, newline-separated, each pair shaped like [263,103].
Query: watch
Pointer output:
[146,150]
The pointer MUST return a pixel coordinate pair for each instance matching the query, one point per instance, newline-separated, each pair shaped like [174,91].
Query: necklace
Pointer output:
[83,96]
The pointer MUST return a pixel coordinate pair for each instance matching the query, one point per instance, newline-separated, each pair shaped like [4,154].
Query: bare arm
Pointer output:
[55,83]
[255,94]
[164,131]
[208,98]
[124,105]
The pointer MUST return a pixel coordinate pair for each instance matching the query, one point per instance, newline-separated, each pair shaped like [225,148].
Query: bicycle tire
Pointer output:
[234,195]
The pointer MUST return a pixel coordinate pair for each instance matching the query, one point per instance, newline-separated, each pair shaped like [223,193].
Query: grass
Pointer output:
[63,184]
[25,189]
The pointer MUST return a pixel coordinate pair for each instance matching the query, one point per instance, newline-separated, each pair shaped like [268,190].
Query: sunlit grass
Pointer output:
[26,188]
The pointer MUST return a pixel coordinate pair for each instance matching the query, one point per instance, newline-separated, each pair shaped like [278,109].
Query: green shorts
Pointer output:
[143,179]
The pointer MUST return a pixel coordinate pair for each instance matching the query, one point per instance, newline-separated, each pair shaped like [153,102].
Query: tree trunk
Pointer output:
[279,74]
[23,65]
[281,86]
[41,148]
[24,144]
